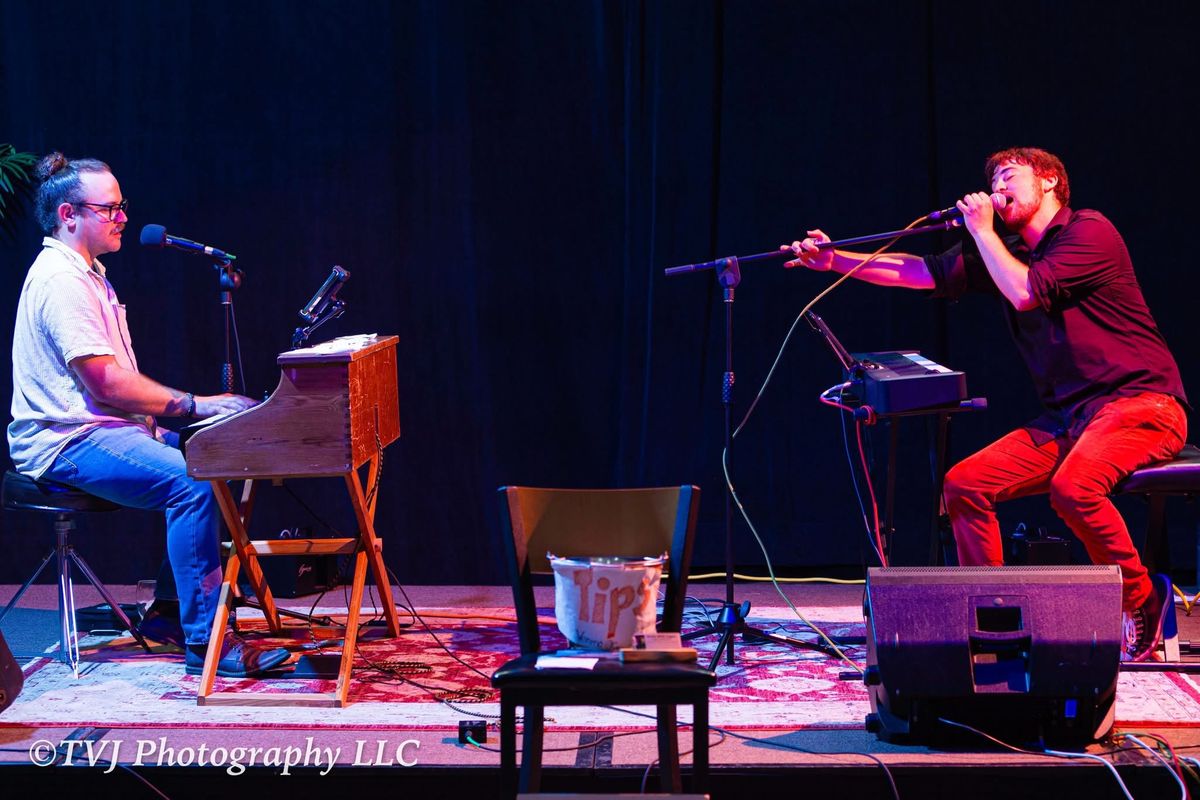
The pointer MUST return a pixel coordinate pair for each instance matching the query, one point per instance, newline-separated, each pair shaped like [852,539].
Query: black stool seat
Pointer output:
[23,493]
[1180,475]
[1156,482]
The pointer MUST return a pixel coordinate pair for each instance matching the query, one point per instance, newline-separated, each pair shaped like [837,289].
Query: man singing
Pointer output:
[1112,394]
[84,415]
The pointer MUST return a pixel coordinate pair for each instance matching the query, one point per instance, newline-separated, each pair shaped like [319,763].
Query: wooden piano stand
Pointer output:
[334,411]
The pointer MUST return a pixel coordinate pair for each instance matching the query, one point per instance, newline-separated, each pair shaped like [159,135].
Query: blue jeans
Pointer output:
[126,465]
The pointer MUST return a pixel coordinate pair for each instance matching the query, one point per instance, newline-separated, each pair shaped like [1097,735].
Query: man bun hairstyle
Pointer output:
[1043,163]
[58,183]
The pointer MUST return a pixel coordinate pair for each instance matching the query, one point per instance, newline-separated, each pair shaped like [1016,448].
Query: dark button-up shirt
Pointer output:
[1091,337]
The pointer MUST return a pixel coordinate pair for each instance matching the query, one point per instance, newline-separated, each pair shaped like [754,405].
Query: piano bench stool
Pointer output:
[23,493]
[1178,477]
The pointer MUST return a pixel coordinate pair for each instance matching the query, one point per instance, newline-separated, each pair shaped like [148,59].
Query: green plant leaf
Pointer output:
[15,178]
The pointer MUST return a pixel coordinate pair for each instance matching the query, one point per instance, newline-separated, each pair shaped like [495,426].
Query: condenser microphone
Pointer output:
[157,236]
[999,201]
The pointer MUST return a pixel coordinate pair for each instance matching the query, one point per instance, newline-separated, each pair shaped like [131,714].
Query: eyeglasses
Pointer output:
[107,212]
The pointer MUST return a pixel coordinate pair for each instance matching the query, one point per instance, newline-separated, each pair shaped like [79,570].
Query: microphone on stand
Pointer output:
[999,201]
[157,236]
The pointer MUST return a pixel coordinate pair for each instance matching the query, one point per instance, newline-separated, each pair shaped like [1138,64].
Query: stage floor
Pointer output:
[423,756]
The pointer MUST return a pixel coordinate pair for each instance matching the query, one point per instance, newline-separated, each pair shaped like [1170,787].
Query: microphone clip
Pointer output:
[231,276]
[324,306]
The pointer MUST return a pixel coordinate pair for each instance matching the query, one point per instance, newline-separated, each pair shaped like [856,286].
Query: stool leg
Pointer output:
[69,643]
[107,595]
[1158,551]
[1170,633]
[25,586]
[1196,529]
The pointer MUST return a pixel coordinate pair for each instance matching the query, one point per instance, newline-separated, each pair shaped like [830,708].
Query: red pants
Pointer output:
[1078,473]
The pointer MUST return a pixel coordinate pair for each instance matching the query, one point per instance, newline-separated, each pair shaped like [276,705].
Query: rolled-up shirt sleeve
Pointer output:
[1083,257]
[957,271]
[949,273]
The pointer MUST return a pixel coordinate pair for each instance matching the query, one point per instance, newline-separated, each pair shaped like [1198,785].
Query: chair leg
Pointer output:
[668,750]
[508,747]
[700,743]
[532,734]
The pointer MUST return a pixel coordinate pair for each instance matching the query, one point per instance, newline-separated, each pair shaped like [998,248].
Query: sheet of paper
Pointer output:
[566,662]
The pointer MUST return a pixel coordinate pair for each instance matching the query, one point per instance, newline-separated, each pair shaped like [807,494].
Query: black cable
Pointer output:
[871,534]
[682,753]
[144,780]
[237,343]
[781,745]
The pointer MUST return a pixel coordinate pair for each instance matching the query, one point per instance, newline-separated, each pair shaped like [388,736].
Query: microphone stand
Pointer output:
[874,237]
[300,337]
[732,618]
[230,279]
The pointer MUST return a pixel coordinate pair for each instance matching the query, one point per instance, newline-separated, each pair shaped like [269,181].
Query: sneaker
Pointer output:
[161,624]
[1144,625]
[238,659]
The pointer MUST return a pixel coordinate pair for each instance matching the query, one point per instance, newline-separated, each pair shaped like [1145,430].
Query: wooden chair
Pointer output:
[604,522]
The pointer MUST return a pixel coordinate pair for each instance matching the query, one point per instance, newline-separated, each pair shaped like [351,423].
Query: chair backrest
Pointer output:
[596,522]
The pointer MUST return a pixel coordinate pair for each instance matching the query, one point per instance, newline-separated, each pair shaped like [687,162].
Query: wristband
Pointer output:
[189,410]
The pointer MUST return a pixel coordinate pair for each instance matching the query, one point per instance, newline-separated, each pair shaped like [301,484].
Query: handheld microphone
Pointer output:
[157,236]
[325,296]
[999,201]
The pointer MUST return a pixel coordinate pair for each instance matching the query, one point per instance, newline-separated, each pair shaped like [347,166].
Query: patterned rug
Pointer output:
[431,678]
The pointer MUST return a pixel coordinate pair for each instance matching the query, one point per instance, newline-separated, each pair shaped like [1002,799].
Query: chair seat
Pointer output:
[23,493]
[608,675]
[1180,475]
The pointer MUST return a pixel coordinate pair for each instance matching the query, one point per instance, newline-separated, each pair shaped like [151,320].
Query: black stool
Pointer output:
[22,493]
[1178,477]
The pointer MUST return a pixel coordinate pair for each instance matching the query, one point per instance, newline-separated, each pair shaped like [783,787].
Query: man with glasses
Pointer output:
[83,414]
[1111,389]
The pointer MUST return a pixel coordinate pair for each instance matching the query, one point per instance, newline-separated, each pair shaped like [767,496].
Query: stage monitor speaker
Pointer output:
[11,677]
[1025,654]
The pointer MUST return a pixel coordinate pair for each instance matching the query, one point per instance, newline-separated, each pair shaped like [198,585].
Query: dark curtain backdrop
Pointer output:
[506,182]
